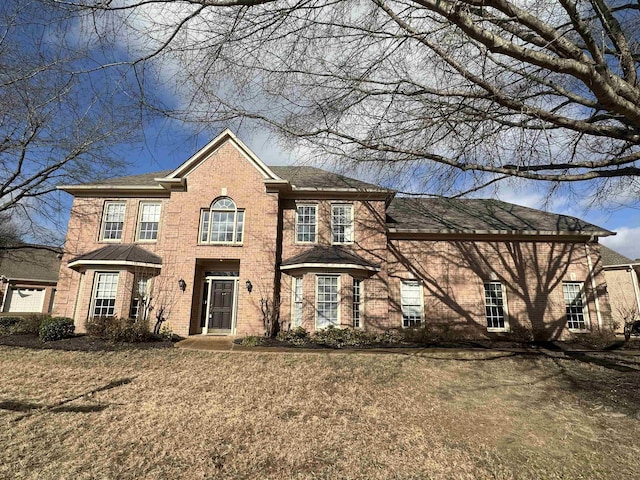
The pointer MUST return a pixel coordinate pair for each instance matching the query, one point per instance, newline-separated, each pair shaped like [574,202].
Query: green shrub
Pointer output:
[7,324]
[56,328]
[166,333]
[297,336]
[28,324]
[116,329]
[342,337]
[253,341]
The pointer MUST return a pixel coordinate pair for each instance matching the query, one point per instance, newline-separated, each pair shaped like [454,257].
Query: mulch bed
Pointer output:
[81,343]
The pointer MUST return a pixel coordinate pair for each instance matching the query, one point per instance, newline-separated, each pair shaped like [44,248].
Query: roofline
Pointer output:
[538,233]
[621,265]
[216,143]
[38,280]
[126,263]
[106,188]
[350,266]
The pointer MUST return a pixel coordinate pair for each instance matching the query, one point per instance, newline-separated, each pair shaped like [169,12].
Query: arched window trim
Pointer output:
[221,223]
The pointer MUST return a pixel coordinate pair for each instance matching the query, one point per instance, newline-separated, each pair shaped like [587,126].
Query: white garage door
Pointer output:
[24,300]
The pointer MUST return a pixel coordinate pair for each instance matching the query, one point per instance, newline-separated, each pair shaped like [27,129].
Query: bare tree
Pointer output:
[463,91]
[59,116]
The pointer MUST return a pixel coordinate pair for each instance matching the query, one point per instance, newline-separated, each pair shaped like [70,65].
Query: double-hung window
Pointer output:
[104,294]
[223,222]
[327,300]
[357,302]
[575,305]
[112,221]
[149,221]
[297,302]
[495,307]
[306,223]
[139,298]
[411,301]
[342,223]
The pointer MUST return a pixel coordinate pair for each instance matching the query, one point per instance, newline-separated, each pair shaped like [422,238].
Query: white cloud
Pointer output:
[626,242]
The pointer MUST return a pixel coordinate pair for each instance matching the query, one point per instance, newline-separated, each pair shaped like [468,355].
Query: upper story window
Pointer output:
[149,221]
[306,223]
[342,223]
[222,222]
[112,221]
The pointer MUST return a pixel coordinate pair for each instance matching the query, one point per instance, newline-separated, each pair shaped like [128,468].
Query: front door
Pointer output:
[221,305]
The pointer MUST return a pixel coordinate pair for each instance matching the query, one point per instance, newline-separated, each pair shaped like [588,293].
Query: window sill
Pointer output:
[498,330]
[576,330]
[106,240]
[219,244]
[343,243]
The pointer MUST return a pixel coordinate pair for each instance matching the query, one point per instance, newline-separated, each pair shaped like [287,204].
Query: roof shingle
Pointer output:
[448,215]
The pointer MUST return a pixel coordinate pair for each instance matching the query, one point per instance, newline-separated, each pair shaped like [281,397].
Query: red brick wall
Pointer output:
[453,273]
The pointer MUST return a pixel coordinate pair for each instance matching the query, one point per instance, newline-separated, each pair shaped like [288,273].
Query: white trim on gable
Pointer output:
[214,145]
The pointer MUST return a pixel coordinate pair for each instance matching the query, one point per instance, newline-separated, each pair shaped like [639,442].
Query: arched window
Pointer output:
[222,222]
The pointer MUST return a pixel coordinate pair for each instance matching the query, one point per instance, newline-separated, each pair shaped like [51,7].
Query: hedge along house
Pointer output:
[224,241]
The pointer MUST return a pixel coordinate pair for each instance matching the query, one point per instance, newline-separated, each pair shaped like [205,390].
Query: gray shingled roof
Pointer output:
[333,254]
[31,263]
[445,215]
[120,253]
[145,179]
[300,177]
[611,258]
[312,177]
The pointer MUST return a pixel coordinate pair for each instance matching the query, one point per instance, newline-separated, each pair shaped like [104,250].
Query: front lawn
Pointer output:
[169,413]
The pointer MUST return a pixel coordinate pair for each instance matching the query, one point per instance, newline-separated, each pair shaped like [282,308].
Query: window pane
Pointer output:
[356,302]
[411,301]
[574,305]
[327,301]
[204,226]
[342,223]
[239,226]
[149,221]
[494,305]
[105,294]
[297,301]
[113,220]
[306,223]
[223,204]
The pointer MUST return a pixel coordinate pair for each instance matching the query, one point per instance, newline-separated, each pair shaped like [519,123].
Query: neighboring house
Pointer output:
[621,274]
[28,277]
[224,240]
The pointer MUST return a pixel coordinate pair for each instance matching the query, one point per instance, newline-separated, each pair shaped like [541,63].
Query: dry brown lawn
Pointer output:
[166,414]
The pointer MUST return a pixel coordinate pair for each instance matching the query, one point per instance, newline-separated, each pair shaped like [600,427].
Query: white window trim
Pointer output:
[135,293]
[361,304]
[294,284]
[353,223]
[419,282]
[585,308]
[94,291]
[235,224]
[505,307]
[139,225]
[103,223]
[301,242]
[339,301]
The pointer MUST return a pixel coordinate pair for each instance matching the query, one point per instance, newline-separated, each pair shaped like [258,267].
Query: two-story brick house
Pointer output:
[223,238]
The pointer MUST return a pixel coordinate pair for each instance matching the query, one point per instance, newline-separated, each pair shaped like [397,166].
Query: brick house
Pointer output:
[224,239]
[621,275]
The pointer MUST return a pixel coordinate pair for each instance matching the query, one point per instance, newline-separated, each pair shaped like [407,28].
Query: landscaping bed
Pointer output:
[82,343]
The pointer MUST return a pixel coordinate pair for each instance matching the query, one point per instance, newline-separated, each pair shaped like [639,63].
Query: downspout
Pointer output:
[593,282]
[634,281]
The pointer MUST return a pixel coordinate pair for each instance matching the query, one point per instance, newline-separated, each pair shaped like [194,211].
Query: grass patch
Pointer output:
[437,415]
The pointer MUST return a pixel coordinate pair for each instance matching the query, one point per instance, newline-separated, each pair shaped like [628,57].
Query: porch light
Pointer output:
[182,284]
[249,286]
